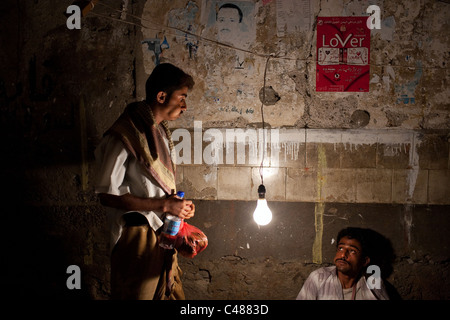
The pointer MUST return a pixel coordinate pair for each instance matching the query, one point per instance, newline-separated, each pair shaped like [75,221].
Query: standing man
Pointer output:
[345,280]
[136,182]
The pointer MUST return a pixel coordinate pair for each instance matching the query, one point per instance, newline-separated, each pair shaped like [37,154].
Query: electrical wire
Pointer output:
[185,32]
[308,58]
[162,28]
[262,119]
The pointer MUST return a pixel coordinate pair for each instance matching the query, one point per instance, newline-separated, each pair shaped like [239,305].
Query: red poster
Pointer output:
[343,54]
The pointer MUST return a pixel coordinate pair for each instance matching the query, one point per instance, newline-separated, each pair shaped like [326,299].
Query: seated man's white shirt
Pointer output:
[324,284]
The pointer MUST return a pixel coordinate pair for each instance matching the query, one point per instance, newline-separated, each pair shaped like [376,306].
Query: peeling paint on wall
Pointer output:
[402,55]
[406,92]
[319,207]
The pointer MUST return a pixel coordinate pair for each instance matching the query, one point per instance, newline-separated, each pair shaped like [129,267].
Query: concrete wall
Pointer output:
[377,159]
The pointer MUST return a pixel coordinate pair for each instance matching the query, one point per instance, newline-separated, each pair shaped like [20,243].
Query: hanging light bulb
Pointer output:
[262,214]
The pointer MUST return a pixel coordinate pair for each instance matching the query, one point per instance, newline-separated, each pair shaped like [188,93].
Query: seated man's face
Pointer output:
[349,259]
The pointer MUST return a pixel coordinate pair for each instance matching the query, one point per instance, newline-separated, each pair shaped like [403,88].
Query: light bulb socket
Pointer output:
[261,191]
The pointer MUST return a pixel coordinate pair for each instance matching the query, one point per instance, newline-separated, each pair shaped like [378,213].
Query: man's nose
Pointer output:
[343,253]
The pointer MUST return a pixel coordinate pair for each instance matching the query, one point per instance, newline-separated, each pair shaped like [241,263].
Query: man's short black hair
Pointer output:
[359,234]
[374,245]
[232,6]
[167,78]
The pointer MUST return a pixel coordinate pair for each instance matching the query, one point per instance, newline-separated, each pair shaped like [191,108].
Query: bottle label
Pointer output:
[171,227]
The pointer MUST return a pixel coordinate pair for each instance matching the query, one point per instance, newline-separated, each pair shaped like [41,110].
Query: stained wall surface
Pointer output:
[376,159]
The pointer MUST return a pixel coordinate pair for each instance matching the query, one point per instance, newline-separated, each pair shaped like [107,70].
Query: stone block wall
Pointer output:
[317,165]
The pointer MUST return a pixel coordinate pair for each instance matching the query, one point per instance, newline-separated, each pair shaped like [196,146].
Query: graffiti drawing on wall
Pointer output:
[232,22]
[154,45]
[185,19]
[343,54]
[180,19]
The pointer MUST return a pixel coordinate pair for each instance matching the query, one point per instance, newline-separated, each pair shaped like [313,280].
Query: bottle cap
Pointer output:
[180,194]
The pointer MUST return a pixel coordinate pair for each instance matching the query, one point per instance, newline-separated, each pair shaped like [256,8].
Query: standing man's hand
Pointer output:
[185,209]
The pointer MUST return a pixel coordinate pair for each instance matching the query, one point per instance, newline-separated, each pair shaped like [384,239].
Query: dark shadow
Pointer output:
[380,251]
[382,254]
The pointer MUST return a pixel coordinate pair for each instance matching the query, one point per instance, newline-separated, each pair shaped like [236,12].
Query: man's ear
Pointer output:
[161,97]
[366,261]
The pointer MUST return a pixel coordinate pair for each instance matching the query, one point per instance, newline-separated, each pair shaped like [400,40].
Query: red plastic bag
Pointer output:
[190,240]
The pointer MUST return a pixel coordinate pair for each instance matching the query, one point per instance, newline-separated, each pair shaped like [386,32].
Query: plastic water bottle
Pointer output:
[171,227]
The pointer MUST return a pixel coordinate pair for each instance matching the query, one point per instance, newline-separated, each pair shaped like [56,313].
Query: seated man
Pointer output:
[345,280]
